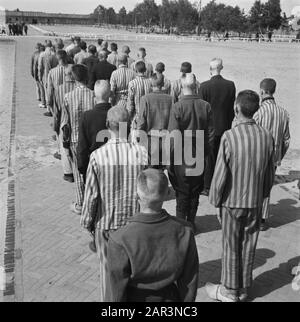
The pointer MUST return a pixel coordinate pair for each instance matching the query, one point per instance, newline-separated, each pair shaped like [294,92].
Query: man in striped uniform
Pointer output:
[176,92]
[142,58]
[76,103]
[243,177]
[274,119]
[62,119]
[138,88]
[119,82]
[111,187]
[113,56]
[47,61]
[55,79]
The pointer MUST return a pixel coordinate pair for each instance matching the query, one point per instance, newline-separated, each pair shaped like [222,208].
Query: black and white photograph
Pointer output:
[149,153]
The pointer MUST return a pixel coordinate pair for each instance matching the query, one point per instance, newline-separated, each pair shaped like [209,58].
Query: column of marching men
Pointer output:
[100,101]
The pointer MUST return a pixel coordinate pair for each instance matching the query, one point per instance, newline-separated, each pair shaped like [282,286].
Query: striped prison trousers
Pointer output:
[240,229]
[79,183]
[101,240]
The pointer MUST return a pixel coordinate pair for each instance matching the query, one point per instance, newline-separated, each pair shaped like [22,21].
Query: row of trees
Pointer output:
[186,16]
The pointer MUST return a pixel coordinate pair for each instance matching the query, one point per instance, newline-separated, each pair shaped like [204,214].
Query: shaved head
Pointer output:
[189,81]
[102,91]
[122,59]
[152,186]
[102,55]
[216,64]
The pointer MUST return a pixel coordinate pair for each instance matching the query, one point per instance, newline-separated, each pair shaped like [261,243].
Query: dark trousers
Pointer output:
[188,191]
[210,163]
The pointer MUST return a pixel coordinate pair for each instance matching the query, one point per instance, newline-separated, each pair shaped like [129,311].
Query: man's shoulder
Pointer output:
[132,228]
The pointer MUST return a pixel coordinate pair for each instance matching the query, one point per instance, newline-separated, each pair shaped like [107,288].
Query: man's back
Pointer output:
[101,71]
[159,251]
[138,88]
[191,113]
[77,102]
[244,168]
[91,123]
[114,168]
[220,93]
[275,119]
[155,112]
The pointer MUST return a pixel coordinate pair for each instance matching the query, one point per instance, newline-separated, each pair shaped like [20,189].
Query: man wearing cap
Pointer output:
[102,70]
[76,103]
[142,57]
[120,80]
[191,114]
[167,86]
[153,118]
[111,191]
[126,51]
[79,57]
[220,94]
[113,56]
[165,267]
[186,68]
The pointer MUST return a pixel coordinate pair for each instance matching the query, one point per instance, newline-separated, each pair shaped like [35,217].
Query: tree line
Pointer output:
[184,16]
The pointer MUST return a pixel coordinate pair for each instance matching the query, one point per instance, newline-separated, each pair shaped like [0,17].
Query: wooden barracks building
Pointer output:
[31,17]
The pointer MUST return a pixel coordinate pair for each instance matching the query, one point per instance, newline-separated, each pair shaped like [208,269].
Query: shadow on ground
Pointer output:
[284,212]
[211,271]
[274,279]
[207,224]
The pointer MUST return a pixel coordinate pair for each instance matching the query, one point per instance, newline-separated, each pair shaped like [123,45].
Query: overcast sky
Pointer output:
[88,6]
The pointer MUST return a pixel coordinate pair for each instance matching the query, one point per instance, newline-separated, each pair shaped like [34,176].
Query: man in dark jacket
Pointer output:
[154,258]
[191,116]
[220,94]
[92,122]
[101,71]
[153,118]
[91,61]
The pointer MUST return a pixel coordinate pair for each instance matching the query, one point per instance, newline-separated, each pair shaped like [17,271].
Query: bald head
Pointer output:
[102,91]
[216,66]
[152,187]
[102,55]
